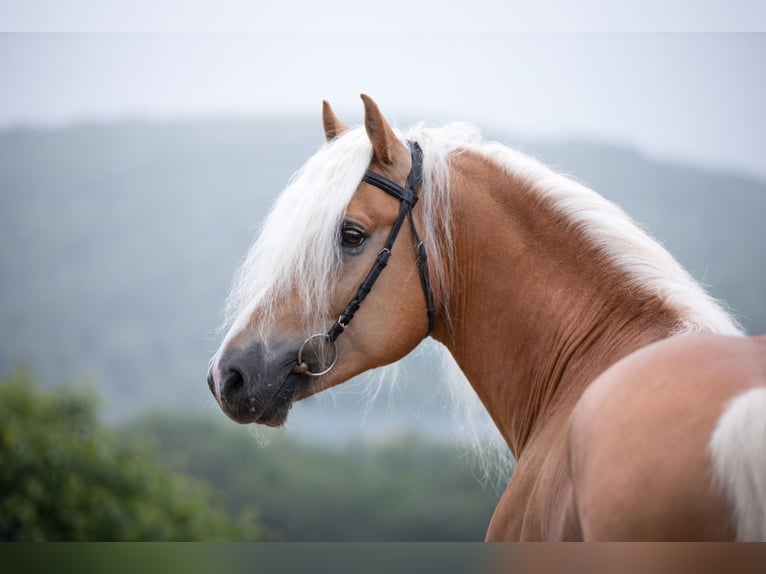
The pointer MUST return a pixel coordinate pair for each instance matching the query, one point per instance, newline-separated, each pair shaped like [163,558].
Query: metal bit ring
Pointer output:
[300,367]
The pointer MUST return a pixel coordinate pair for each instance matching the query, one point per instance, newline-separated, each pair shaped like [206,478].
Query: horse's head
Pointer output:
[328,231]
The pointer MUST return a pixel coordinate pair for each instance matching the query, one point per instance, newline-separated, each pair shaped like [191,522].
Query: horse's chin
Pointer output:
[273,415]
[273,421]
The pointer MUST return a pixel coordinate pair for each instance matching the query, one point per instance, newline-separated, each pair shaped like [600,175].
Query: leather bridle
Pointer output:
[408,196]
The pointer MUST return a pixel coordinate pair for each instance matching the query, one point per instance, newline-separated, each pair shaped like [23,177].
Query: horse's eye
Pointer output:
[352,237]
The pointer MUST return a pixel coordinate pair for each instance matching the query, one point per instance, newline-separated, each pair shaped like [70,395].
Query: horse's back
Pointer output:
[643,461]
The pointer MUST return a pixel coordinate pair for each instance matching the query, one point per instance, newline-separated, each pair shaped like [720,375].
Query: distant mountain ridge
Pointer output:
[118,241]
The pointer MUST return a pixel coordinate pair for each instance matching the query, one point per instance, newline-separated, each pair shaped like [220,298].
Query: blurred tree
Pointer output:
[63,476]
[405,489]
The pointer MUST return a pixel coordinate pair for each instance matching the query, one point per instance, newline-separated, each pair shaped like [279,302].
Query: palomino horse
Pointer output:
[633,405]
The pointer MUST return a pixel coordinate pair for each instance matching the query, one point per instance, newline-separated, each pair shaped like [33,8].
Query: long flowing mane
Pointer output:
[647,264]
[296,254]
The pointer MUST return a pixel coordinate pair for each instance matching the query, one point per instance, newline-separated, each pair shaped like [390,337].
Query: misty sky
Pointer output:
[693,97]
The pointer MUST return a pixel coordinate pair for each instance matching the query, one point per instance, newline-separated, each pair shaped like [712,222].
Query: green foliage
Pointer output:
[404,490]
[63,476]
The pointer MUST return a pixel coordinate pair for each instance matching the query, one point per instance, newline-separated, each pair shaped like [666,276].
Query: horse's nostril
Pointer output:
[232,383]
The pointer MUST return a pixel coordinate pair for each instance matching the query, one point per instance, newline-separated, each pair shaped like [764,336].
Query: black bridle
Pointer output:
[408,196]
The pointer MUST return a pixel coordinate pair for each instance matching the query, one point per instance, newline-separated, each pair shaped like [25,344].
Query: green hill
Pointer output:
[118,242]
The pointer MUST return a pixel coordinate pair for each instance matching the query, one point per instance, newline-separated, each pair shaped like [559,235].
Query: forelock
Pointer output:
[296,253]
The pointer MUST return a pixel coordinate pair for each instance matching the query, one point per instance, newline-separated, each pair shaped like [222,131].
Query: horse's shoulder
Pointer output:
[638,439]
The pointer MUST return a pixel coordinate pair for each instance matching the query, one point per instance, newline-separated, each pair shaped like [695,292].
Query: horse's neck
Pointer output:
[536,312]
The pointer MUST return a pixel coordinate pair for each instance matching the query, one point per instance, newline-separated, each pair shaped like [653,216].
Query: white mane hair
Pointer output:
[297,254]
[647,264]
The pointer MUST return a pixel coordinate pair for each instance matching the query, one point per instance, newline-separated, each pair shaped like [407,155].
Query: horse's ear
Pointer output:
[383,139]
[333,127]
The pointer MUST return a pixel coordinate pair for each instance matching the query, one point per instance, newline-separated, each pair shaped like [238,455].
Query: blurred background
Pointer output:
[135,168]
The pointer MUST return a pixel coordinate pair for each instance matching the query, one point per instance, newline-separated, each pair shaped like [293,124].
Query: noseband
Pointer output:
[408,196]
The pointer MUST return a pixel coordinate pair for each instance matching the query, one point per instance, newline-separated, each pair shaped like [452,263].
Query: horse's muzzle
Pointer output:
[255,384]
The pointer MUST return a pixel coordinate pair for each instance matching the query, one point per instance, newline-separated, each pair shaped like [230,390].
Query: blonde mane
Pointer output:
[644,260]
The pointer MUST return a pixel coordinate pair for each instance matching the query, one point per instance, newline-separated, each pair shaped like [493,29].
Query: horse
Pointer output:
[631,400]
